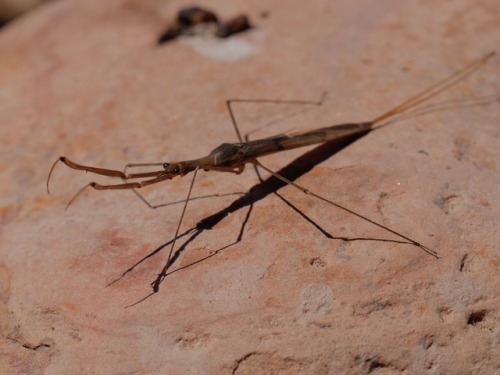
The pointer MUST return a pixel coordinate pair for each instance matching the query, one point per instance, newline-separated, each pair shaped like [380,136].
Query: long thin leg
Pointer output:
[300,102]
[163,273]
[308,192]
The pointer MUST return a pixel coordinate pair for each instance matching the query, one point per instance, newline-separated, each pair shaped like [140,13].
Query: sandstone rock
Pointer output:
[265,290]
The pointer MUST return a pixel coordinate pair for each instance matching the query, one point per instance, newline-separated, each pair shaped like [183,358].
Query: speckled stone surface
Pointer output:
[269,288]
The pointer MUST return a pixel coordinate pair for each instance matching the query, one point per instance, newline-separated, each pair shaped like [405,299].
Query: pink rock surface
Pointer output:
[85,79]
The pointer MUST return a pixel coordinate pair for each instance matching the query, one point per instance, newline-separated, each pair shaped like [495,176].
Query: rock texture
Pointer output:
[258,286]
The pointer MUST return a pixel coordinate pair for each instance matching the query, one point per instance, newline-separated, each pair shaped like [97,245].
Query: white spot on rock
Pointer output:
[316,301]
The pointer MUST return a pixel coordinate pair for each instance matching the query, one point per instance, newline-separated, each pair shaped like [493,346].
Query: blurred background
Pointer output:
[10,9]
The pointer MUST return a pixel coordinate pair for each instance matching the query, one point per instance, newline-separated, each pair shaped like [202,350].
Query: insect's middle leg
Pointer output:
[230,102]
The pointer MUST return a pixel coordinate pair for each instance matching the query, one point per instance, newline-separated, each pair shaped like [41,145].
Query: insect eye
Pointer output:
[176,170]
[166,165]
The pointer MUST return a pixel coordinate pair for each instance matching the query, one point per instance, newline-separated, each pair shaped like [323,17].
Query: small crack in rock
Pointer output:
[35,347]
[239,361]
[27,345]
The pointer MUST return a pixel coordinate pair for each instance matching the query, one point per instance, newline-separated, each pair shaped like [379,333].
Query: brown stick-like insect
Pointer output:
[232,157]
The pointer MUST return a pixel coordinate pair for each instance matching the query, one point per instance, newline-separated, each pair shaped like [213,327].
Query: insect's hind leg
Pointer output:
[308,192]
